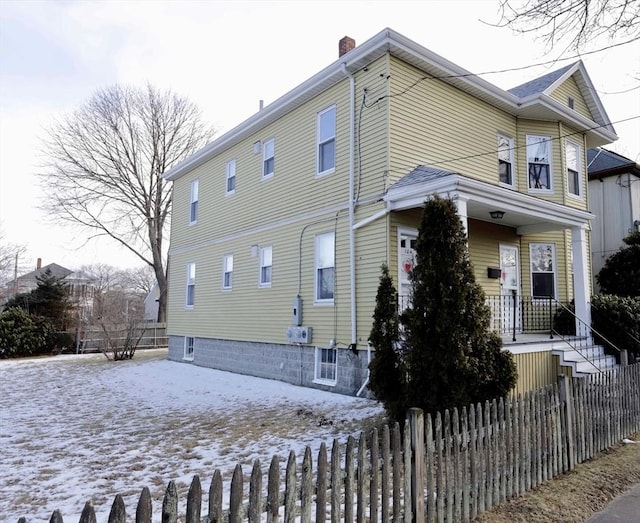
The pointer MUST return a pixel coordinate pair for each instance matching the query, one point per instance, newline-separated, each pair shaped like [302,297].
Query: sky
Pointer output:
[145,422]
[226,57]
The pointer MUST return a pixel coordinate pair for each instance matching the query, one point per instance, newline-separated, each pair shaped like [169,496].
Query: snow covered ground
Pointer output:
[80,428]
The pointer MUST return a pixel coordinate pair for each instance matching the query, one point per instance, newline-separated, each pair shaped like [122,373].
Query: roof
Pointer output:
[422,173]
[537,105]
[539,85]
[57,271]
[602,163]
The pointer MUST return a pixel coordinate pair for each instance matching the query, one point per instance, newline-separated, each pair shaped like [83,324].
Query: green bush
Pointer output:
[23,335]
[617,318]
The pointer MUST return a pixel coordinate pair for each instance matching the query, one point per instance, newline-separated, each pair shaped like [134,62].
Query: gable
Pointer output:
[569,89]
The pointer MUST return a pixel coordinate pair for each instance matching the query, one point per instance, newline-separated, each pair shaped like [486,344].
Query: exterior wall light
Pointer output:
[496,215]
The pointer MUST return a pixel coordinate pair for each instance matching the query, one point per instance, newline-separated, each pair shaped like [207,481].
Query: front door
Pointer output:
[509,288]
[406,260]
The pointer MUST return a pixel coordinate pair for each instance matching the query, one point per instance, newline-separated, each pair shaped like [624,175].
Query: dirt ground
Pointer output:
[576,495]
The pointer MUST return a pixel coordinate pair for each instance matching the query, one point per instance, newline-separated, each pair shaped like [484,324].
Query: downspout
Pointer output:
[366,381]
[352,203]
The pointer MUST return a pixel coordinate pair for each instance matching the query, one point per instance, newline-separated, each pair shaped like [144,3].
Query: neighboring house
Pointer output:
[79,285]
[614,199]
[280,226]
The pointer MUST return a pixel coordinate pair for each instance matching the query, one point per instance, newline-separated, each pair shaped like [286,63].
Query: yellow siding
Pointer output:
[484,251]
[536,370]
[569,88]
[420,109]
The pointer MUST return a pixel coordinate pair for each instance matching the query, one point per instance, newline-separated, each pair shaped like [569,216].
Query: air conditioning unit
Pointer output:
[299,334]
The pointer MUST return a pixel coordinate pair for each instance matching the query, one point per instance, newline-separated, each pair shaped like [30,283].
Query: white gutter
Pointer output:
[366,381]
[352,204]
[370,219]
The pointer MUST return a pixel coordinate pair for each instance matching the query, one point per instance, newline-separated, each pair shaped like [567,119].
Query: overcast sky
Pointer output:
[226,57]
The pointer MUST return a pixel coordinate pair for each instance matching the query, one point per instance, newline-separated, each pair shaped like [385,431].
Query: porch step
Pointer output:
[588,360]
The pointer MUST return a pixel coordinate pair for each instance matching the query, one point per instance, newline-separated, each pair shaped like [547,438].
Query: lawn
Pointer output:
[80,428]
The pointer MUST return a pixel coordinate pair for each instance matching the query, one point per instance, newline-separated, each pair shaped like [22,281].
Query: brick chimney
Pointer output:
[345,45]
[39,264]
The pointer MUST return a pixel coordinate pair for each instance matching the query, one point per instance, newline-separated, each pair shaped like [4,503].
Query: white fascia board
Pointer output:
[385,40]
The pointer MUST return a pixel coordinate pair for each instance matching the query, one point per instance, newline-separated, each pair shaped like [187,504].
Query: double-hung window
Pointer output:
[227,271]
[543,263]
[573,158]
[325,267]
[539,162]
[191,285]
[193,199]
[231,177]
[268,158]
[327,141]
[189,343]
[505,159]
[326,366]
[266,263]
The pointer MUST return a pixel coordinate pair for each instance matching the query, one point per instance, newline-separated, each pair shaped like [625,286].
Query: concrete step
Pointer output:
[585,361]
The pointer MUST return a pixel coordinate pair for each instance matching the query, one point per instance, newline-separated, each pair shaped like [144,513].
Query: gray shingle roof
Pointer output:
[421,174]
[57,271]
[539,85]
[602,162]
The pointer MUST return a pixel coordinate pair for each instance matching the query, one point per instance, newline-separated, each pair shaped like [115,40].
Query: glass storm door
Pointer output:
[406,260]
[509,287]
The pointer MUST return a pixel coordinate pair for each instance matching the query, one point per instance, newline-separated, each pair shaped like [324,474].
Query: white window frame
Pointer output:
[325,371]
[190,294]
[227,271]
[534,142]
[268,153]
[193,201]
[230,170]
[266,262]
[322,141]
[577,171]
[506,146]
[324,260]
[189,348]
[540,270]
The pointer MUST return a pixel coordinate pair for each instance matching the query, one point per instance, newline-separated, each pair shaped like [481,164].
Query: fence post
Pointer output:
[624,358]
[566,397]
[416,427]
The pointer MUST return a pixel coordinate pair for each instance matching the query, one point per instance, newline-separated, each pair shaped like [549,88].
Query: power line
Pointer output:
[550,139]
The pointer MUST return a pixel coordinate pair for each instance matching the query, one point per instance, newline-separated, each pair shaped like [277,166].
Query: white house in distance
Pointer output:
[614,199]
[280,226]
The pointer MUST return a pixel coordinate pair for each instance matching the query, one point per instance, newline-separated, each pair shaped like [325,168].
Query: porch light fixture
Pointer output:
[496,215]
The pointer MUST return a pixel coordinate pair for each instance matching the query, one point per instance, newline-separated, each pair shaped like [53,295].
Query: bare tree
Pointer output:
[577,21]
[105,164]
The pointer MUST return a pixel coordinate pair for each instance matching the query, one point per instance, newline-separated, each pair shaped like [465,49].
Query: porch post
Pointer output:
[581,280]
[461,205]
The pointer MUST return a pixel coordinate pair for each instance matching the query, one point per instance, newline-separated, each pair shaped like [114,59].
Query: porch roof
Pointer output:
[526,213]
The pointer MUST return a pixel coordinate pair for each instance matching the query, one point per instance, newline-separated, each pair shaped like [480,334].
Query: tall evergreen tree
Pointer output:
[387,374]
[451,357]
[49,300]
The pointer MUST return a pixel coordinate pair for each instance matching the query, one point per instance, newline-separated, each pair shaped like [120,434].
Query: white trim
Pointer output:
[554,265]
[190,282]
[190,357]
[579,158]
[548,143]
[316,268]
[194,201]
[317,362]
[512,160]
[261,252]
[227,168]
[226,257]
[389,41]
[265,143]
[319,114]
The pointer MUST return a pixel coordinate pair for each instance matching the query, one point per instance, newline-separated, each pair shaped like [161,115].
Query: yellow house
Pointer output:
[280,226]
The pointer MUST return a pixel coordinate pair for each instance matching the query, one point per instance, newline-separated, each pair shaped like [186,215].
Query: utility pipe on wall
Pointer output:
[352,204]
